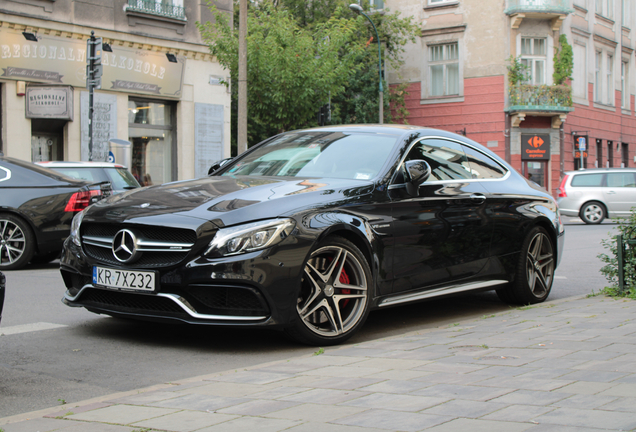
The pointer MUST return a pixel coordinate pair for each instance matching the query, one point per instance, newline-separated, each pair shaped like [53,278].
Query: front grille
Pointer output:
[130,302]
[228,300]
[101,250]
[147,259]
[167,234]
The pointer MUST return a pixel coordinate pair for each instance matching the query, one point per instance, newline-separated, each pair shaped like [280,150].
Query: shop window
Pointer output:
[151,131]
[443,63]
[533,56]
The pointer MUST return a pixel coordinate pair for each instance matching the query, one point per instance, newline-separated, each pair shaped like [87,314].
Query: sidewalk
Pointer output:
[565,366]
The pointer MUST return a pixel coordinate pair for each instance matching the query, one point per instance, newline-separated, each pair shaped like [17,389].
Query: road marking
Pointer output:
[26,328]
[560,277]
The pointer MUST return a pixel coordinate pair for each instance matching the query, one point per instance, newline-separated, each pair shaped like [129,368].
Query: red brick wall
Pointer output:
[481,112]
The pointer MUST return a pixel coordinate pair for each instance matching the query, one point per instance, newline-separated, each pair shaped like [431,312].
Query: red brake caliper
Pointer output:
[343,279]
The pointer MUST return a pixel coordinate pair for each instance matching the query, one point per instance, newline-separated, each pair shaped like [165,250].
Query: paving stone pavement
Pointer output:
[565,366]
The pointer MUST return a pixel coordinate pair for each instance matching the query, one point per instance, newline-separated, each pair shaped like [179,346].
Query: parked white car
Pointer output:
[594,194]
[118,175]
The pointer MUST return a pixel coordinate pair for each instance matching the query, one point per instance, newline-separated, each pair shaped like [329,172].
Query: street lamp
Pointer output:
[358,9]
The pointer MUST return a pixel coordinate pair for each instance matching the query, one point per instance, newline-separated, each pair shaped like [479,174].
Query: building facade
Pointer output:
[459,79]
[161,90]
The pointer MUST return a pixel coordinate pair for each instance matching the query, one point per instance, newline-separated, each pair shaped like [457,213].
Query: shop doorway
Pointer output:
[47,140]
[536,171]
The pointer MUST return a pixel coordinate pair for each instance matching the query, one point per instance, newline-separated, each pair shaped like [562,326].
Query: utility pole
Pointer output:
[94,70]
[242,77]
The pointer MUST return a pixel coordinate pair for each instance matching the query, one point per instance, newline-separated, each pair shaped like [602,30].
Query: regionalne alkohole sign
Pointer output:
[59,60]
[535,147]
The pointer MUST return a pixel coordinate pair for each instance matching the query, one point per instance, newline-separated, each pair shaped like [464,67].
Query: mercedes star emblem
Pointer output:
[125,246]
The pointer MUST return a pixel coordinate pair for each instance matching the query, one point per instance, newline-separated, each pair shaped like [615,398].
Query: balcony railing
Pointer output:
[540,6]
[527,97]
[152,7]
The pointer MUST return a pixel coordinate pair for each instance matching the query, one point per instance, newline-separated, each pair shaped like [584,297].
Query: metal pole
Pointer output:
[381,91]
[90,97]
[242,77]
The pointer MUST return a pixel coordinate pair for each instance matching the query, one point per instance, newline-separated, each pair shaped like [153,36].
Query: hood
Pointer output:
[224,200]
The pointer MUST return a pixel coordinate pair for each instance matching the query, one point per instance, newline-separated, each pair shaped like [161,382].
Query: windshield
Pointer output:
[318,154]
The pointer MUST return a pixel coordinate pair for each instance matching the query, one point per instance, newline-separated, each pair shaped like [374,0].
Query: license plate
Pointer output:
[124,279]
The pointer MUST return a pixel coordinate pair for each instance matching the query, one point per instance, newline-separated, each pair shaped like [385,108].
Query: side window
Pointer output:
[621,180]
[483,167]
[587,180]
[446,158]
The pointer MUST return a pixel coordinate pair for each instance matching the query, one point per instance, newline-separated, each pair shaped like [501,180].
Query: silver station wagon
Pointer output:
[594,194]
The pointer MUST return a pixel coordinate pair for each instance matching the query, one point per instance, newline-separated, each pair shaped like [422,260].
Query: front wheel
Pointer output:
[334,296]
[592,213]
[535,271]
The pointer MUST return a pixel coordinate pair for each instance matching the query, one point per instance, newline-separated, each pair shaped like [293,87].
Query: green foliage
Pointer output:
[302,55]
[563,62]
[517,71]
[319,352]
[626,227]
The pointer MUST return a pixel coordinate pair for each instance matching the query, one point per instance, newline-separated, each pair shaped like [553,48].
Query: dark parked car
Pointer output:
[36,209]
[118,175]
[310,230]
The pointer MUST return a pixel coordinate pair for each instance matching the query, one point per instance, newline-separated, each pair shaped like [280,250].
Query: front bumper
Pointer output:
[254,289]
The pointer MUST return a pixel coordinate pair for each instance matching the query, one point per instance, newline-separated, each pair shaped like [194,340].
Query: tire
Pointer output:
[17,242]
[592,212]
[330,308]
[535,271]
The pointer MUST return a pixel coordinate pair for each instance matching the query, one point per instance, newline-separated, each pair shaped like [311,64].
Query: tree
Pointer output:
[301,55]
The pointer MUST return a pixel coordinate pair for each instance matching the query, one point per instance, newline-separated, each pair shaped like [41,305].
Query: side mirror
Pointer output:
[417,172]
[218,164]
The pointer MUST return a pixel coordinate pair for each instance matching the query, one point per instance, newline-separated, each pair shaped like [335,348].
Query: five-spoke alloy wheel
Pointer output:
[333,301]
[535,272]
[592,213]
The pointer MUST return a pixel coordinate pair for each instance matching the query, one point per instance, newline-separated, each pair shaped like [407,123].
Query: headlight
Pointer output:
[250,237]
[75,226]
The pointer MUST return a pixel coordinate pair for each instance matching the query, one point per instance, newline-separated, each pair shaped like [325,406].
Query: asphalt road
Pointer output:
[50,353]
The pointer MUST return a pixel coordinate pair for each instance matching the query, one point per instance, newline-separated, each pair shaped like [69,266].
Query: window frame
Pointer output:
[625,102]
[535,58]
[444,62]
[609,73]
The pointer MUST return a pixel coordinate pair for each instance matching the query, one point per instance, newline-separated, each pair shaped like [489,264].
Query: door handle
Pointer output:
[478,197]
[611,192]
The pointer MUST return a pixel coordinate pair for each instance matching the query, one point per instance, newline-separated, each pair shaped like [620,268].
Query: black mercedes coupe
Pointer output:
[310,230]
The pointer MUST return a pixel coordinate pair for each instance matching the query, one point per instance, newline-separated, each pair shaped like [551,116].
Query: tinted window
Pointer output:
[91,174]
[446,158]
[314,154]
[621,180]
[587,180]
[482,166]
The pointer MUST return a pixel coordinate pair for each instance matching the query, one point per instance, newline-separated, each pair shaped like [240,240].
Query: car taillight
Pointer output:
[80,200]
[561,190]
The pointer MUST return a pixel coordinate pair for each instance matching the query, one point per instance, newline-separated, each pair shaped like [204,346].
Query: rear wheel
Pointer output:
[535,271]
[17,242]
[333,301]
[592,213]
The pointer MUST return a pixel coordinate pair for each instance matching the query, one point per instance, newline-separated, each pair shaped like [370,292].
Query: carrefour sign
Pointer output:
[535,147]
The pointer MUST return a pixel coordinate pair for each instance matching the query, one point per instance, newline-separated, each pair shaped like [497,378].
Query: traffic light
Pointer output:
[324,114]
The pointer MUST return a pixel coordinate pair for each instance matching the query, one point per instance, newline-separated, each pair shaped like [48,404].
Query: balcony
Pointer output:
[555,10]
[539,100]
[161,9]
